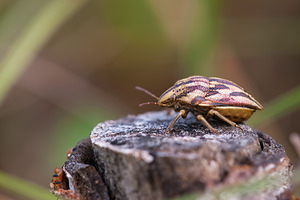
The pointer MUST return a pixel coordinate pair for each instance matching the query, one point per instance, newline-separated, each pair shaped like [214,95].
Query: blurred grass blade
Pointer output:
[203,38]
[135,19]
[279,107]
[37,32]
[238,190]
[24,188]
[15,19]
[250,187]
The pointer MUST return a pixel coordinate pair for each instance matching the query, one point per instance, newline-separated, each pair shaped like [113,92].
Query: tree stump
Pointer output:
[131,158]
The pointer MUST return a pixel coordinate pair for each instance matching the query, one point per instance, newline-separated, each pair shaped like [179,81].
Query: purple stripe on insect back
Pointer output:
[225,100]
[234,96]
[211,93]
[241,94]
[216,89]
[224,82]
[195,82]
[219,87]
[196,87]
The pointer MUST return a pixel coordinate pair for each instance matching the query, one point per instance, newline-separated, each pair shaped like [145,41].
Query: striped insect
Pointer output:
[207,97]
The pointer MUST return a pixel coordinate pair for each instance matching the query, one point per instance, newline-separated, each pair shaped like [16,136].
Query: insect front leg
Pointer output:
[182,113]
[214,112]
[201,118]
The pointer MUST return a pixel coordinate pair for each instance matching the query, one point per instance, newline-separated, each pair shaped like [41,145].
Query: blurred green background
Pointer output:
[66,65]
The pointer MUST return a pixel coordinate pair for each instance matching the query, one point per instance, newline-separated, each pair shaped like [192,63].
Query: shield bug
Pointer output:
[207,97]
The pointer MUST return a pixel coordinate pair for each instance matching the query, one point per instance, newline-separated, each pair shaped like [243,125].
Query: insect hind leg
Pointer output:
[201,118]
[214,112]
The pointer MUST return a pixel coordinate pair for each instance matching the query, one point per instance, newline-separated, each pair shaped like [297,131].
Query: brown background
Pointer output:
[88,70]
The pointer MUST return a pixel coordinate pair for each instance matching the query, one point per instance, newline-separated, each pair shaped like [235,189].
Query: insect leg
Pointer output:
[201,118]
[214,112]
[169,111]
[181,113]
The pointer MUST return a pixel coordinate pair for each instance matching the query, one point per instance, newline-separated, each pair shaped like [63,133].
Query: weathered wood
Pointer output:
[78,178]
[135,160]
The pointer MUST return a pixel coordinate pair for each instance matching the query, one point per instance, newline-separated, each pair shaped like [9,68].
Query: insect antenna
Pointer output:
[148,103]
[147,92]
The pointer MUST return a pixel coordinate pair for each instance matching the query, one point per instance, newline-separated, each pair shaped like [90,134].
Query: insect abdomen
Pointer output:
[235,114]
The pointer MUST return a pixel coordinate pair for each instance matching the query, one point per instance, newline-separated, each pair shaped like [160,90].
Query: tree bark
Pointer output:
[131,158]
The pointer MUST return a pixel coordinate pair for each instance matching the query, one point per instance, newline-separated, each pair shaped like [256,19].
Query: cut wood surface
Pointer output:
[131,158]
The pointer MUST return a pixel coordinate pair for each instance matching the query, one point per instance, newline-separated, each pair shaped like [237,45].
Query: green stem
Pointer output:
[24,188]
[203,38]
[279,107]
[23,50]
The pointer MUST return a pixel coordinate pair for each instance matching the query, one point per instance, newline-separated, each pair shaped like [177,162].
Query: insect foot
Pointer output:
[207,96]
[182,113]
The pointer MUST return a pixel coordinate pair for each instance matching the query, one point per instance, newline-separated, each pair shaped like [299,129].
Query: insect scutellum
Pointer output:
[207,97]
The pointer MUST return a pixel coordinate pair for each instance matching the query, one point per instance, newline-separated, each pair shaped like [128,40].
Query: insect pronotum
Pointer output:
[207,97]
